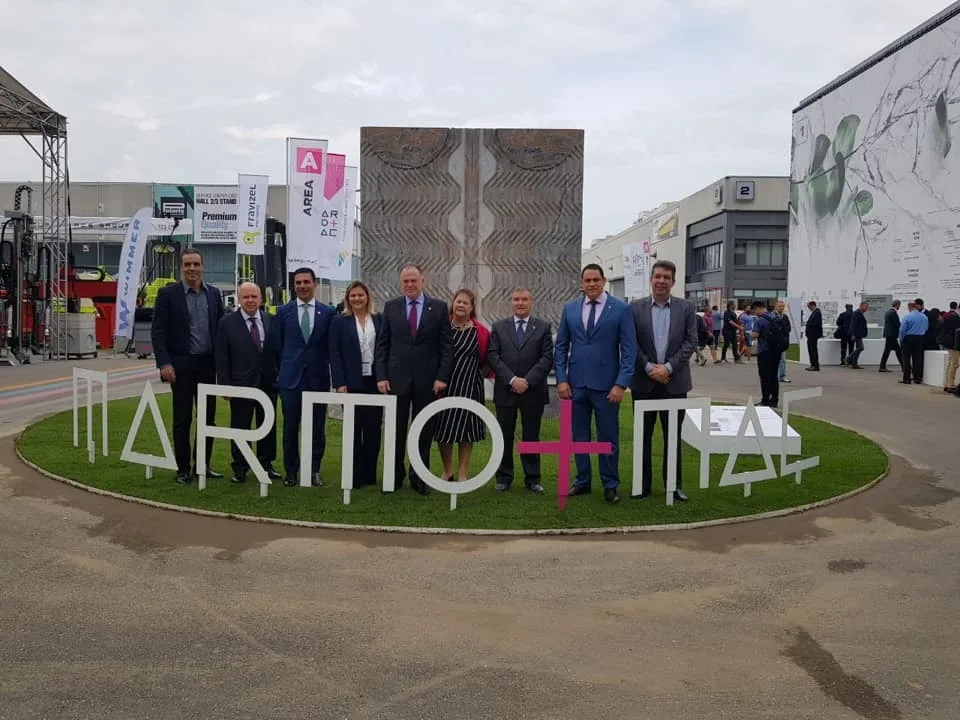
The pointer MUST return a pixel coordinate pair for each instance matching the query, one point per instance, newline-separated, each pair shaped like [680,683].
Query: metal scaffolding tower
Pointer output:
[23,113]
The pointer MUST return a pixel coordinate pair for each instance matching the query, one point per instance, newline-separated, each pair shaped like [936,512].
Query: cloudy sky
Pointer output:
[673,94]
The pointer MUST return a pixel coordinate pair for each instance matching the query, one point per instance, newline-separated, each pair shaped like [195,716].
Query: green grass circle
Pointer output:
[847,461]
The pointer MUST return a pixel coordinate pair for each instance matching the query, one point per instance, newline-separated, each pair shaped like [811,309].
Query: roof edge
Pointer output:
[933,23]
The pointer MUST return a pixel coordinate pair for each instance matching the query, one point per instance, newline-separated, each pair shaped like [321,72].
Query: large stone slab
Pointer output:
[485,209]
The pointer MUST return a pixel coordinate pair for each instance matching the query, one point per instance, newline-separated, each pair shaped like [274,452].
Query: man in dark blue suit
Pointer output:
[299,336]
[596,353]
[186,317]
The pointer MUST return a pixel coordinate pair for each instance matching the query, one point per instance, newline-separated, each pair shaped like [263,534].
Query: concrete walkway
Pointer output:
[112,610]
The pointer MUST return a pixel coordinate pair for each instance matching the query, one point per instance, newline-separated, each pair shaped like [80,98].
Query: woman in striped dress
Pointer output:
[460,426]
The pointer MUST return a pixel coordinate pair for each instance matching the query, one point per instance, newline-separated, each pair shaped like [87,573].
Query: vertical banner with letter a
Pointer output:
[306,172]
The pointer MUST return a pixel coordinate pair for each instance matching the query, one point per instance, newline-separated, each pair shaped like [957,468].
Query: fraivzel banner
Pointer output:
[306,172]
[252,213]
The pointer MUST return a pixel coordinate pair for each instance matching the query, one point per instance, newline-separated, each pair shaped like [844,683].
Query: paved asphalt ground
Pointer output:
[114,611]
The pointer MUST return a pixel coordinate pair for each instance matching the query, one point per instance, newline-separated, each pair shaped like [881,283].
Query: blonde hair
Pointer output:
[346,297]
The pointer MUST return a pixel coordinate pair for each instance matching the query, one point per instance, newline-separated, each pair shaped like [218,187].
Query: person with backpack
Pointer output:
[773,338]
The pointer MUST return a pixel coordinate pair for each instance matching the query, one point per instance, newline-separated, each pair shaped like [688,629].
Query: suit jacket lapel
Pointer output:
[607,309]
[529,329]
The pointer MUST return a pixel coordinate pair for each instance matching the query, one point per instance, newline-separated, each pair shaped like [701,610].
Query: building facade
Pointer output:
[728,241]
[123,200]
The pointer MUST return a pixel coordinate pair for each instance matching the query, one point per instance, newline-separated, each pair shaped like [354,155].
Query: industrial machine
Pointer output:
[25,280]
[269,270]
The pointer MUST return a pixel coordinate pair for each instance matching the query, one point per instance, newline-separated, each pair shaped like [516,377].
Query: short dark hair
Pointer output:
[191,251]
[918,301]
[666,265]
[592,266]
[953,304]
[757,303]
[812,303]
[305,271]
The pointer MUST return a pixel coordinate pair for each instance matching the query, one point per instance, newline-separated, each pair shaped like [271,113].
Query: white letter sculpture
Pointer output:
[89,377]
[798,466]
[242,437]
[168,461]
[769,472]
[471,484]
[672,407]
[350,402]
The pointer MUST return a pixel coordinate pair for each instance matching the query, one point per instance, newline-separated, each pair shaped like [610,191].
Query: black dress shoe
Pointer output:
[640,496]
[611,496]
[536,488]
[239,478]
[502,487]
[420,487]
[184,478]
[578,490]
[271,473]
[679,496]
[212,474]
[316,480]
[290,481]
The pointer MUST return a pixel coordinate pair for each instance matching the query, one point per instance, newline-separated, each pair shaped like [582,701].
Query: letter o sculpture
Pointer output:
[423,472]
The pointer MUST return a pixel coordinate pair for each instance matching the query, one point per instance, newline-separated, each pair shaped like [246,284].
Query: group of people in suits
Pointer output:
[419,349]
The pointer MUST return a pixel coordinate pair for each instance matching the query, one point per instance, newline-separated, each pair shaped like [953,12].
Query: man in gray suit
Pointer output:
[666,338]
[521,356]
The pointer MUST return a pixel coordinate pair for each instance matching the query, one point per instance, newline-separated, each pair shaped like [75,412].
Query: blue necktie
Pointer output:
[592,317]
[520,331]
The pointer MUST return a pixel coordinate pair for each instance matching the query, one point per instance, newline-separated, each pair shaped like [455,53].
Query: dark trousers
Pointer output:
[531,417]
[913,358]
[292,401]
[846,346]
[368,427]
[856,349]
[242,412]
[730,341]
[814,352]
[195,370]
[768,367]
[593,404]
[411,404]
[890,345]
[649,424]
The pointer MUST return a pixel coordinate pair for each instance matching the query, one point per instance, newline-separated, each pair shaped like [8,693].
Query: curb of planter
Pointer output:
[404,530]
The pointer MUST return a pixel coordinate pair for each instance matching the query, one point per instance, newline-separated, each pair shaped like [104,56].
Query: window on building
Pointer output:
[759,253]
[707,258]
[742,293]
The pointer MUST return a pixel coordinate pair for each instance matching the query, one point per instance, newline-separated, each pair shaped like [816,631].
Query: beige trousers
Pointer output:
[953,362]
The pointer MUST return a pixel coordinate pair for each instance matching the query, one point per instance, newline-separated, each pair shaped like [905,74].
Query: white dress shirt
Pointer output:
[368,340]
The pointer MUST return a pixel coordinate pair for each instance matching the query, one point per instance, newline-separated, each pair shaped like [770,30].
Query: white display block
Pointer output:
[830,352]
[935,367]
[725,421]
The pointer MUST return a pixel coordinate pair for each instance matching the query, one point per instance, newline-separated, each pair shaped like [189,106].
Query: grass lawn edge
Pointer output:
[489,532]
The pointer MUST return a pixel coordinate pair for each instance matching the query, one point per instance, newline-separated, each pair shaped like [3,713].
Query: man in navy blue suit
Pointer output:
[596,354]
[299,336]
[186,317]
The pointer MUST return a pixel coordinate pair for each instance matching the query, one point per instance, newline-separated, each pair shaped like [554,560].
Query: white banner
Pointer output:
[215,214]
[636,270]
[306,170]
[252,225]
[332,222]
[128,275]
[349,234]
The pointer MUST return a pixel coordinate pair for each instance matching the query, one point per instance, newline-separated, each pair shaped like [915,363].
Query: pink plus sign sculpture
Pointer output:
[564,448]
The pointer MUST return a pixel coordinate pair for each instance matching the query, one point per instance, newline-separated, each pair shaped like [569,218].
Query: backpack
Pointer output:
[777,334]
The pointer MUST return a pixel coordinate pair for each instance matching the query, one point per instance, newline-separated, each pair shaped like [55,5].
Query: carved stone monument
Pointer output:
[489,210]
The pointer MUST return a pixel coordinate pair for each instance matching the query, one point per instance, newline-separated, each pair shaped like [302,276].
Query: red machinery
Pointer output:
[92,283]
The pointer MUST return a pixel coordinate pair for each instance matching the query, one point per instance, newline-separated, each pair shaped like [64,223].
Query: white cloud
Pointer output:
[673,94]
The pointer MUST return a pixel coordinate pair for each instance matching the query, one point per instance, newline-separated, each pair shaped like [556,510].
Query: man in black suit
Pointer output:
[891,336]
[414,359]
[242,361]
[521,356]
[666,329]
[814,331]
[858,331]
[186,318]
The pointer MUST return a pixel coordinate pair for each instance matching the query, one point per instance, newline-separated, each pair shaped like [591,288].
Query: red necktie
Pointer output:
[412,317]
[255,332]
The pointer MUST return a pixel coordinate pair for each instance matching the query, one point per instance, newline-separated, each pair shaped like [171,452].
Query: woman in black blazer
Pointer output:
[353,337]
